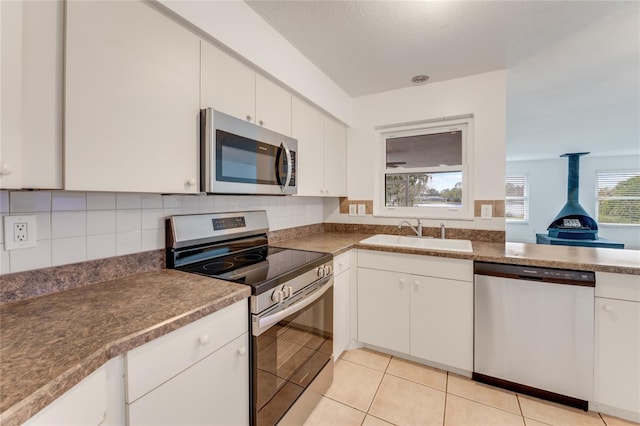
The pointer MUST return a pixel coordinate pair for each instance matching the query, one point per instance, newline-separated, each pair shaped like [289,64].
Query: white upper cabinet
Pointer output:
[231,87]
[307,128]
[227,85]
[335,158]
[31,92]
[131,106]
[273,106]
[322,151]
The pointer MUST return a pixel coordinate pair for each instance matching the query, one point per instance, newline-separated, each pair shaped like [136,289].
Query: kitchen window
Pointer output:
[425,170]
[618,197]
[517,199]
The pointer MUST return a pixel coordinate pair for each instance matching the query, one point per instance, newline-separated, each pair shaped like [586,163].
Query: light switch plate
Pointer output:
[486,211]
[353,210]
[362,209]
[19,232]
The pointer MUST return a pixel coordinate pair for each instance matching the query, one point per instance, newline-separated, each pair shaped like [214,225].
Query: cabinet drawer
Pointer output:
[157,361]
[441,267]
[618,286]
[341,263]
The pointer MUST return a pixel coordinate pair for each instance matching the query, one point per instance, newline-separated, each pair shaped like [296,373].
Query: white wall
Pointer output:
[77,226]
[238,27]
[483,95]
[548,194]
[580,94]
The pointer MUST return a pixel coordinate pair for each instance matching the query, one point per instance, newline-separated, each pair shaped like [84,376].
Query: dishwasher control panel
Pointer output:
[536,273]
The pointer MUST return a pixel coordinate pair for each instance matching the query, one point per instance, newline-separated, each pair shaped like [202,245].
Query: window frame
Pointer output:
[524,198]
[598,198]
[462,123]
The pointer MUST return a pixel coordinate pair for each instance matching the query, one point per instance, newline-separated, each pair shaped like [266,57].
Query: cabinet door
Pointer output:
[335,158]
[341,313]
[617,354]
[442,321]
[132,90]
[307,128]
[214,391]
[226,84]
[273,106]
[83,404]
[31,94]
[383,309]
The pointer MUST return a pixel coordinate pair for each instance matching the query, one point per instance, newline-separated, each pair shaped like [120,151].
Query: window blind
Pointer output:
[618,197]
[516,200]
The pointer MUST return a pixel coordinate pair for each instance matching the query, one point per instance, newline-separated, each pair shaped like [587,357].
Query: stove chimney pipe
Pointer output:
[573,181]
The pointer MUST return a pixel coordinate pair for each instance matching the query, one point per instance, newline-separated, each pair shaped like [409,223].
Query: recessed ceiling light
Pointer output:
[418,79]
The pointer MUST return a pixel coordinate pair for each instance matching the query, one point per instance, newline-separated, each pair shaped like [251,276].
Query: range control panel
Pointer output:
[228,223]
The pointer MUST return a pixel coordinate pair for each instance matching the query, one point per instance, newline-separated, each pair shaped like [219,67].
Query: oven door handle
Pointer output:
[264,323]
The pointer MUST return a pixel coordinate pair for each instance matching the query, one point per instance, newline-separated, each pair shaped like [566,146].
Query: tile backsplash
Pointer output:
[77,226]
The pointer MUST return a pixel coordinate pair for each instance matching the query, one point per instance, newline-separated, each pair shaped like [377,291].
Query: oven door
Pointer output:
[291,358]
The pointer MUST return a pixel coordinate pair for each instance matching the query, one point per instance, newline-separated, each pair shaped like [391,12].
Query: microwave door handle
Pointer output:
[287,153]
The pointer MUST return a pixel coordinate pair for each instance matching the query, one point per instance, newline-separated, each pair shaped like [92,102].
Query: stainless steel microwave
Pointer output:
[238,157]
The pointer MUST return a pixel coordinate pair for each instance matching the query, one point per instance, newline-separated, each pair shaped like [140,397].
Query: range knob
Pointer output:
[277,296]
[288,291]
[320,271]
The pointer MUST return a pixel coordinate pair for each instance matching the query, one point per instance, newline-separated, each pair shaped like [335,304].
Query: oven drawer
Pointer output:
[155,362]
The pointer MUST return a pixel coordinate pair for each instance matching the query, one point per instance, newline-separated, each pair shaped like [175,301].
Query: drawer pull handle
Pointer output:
[242,351]
[608,308]
[204,339]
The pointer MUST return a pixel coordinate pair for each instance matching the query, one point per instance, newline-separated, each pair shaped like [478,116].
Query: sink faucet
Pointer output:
[417,230]
[442,231]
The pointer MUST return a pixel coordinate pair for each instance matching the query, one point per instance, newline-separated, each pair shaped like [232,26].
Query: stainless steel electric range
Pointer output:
[290,308]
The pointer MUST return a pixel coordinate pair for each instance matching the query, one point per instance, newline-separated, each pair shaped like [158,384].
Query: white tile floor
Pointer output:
[374,389]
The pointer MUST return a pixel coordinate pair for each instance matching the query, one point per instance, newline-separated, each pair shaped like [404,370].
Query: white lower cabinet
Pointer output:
[93,401]
[383,309]
[214,391]
[342,283]
[417,305]
[442,321]
[617,345]
[198,374]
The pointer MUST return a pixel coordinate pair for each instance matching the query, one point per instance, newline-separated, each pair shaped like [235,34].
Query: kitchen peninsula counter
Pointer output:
[51,343]
[565,257]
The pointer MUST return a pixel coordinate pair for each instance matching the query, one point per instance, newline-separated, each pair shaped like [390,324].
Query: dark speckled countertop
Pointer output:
[52,342]
[575,258]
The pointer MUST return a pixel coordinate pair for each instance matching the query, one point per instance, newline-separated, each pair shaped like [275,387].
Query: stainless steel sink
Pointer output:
[419,242]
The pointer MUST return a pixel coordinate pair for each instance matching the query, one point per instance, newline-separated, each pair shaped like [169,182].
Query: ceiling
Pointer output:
[574,66]
[374,46]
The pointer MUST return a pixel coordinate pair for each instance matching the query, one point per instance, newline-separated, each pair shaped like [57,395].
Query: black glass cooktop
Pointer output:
[259,266]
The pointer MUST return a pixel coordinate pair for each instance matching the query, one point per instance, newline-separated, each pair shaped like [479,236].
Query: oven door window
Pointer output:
[288,356]
[244,160]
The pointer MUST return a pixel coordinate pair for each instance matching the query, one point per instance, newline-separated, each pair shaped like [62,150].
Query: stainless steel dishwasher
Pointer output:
[534,331]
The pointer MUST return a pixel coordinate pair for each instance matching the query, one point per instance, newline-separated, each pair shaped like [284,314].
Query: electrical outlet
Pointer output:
[353,209]
[486,211]
[362,209]
[19,232]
